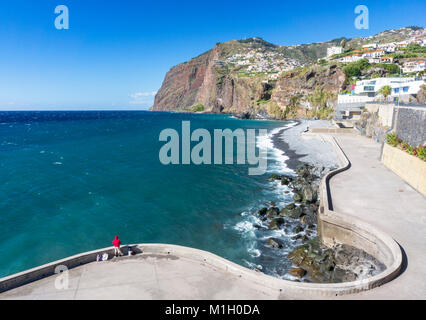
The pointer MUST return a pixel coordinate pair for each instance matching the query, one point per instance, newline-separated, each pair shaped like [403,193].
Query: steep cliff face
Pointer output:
[303,82]
[222,80]
[208,81]
[183,83]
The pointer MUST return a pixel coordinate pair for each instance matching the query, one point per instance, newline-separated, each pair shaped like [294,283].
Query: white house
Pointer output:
[334,50]
[388,47]
[370,45]
[373,54]
[401,88]
[414,66]
[351,58]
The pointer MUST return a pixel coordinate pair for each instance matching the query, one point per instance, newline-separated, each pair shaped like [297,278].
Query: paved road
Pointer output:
[373,193]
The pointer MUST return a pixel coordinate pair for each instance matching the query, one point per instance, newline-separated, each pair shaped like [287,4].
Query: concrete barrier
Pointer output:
[333,227]
[336,228]
[408,167]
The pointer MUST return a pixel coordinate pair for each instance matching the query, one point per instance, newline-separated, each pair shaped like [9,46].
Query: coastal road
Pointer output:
[374,194]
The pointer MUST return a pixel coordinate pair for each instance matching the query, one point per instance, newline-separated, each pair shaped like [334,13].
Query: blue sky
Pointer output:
[116,53]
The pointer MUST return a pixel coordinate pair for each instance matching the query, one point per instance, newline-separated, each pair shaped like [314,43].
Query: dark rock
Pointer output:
[291,211]
[305,238]
[297,272]
[286,180]
[275,243]
[309,194]
[297,229]
[297,237]
[275,224]
[274,177]
[309,220]
[297,197]
[262,211]
[332,265]
[272,212]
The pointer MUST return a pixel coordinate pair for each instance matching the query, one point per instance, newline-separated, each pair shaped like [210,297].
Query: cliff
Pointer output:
[255,78]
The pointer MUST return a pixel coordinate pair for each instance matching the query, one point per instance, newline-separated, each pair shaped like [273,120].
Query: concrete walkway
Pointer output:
[145,277]
[373,193]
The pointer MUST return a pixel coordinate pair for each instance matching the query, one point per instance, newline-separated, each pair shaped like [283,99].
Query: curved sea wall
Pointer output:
[333,227]
[336,228]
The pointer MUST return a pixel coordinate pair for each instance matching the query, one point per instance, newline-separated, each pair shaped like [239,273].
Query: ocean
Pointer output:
[71,181]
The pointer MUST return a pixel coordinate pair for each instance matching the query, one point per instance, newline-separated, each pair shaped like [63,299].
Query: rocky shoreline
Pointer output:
[312,261]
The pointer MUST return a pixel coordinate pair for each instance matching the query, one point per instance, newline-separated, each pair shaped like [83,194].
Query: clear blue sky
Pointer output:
[116,53]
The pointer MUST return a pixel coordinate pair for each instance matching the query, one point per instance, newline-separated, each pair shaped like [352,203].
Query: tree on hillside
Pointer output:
[291,109]
[385,91]
[343,43]
[318,101]
[354,69]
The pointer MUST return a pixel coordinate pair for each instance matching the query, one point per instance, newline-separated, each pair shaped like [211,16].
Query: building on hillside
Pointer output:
[402,44]
[333,51]
[375,54]
[370,45]
[374,60]
[388,47]
[413,66]
[404,89]
[274,76]
[386,59]
[352,58]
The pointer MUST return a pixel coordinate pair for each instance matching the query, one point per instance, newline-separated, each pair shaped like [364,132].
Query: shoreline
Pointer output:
[293,161]
[311,156]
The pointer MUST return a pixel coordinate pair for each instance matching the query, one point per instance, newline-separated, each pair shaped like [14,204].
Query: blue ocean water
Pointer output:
[71,181]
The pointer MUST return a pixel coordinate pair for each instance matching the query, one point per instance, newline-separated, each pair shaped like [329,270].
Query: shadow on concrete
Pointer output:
[404,264]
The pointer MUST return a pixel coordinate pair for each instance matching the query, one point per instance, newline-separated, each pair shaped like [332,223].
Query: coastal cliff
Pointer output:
[252,78]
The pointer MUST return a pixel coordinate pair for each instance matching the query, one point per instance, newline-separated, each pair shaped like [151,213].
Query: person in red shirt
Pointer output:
[116,242]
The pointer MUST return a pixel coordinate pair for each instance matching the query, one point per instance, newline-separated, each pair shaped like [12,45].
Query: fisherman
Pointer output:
[116,242]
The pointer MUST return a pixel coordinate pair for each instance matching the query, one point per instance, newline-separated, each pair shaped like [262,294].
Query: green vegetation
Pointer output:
[199,107]
[276,111]
[393,140]
[291,109]
[318,101]
[385,91]
[354,69]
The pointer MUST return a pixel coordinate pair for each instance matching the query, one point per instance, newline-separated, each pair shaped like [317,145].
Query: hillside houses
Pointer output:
[333,51]
[258,61]
[412,66]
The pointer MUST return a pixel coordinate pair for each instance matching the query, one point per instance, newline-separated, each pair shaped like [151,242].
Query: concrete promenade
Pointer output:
[376,195]
[145,277]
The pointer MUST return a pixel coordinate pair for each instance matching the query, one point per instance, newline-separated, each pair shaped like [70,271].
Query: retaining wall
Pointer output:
[408,167]
[411,125]
[384,111]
